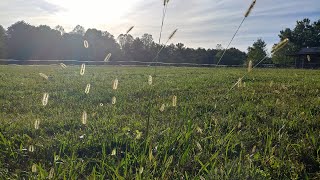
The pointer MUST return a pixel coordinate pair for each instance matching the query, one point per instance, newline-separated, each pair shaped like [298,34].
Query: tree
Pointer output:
[3,46]
[232,56]
[257,52]
[305,34]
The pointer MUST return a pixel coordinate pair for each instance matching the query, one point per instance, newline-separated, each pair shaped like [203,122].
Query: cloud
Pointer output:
[28,10]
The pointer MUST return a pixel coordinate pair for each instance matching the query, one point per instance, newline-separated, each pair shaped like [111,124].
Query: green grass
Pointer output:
[255,132]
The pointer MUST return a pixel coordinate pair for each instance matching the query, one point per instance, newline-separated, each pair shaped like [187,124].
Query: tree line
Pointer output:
[22,41]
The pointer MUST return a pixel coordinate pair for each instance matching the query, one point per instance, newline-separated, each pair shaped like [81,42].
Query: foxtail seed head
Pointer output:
[51,173]
[250,66]
[31,148]
[280,45]
[115,84]
[174,101]
[63,65]
[107,57]
[44,76]
[172,34]
[129,29]
[45,99]
[250,8]
[83,69]
[37,124]
[114,100]
[86,44]
[84,118]
[150,80]
[87,90]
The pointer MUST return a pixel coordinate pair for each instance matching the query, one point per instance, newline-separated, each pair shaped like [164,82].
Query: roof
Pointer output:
[309,51]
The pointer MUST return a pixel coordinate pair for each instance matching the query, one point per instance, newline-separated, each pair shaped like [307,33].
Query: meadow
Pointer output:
[269,128]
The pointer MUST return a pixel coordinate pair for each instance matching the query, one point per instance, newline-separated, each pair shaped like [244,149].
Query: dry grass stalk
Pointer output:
[114,100]
[150,80]
[44,76]
[84,118]
[85,44]
[280,45]
[174,101]
[115,84]
[250,8]
[250,66]
[45,99]
[83,69]
[107,57]
[87,90]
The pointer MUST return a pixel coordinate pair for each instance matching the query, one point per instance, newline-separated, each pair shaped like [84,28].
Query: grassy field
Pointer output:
[269,129]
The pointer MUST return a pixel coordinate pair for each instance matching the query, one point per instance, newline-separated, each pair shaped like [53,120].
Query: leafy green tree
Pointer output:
[3,46]
[305,34]
[257,51]
[232,56]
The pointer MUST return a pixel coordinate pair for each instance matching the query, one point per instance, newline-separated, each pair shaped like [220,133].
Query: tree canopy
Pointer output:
[305,34]
[23,41]
[257,51]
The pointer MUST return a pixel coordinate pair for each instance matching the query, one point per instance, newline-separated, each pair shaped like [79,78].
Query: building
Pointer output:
[308,57]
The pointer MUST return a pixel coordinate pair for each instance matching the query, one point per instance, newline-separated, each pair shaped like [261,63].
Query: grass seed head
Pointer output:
[31,148]
[83,69]
[140,170]
[114,152]
[37,124]
[34,168]
[239,83]
[87,90]
[115,84]
[85,44]
[280,45]
[84,118]
[63,65]
[107,57]
[174,101]
[150,80]
[250,8]
[44,76]
[114,100]
[172,34]
[199,146]
[254,149]
[162,107]
[51,173]
[45,99]
[130,29]
[250,66]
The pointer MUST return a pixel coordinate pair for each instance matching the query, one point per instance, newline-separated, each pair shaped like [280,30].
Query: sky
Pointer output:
[200,23]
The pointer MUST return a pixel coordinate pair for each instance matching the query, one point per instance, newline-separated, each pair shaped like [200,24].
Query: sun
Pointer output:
[92,13]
